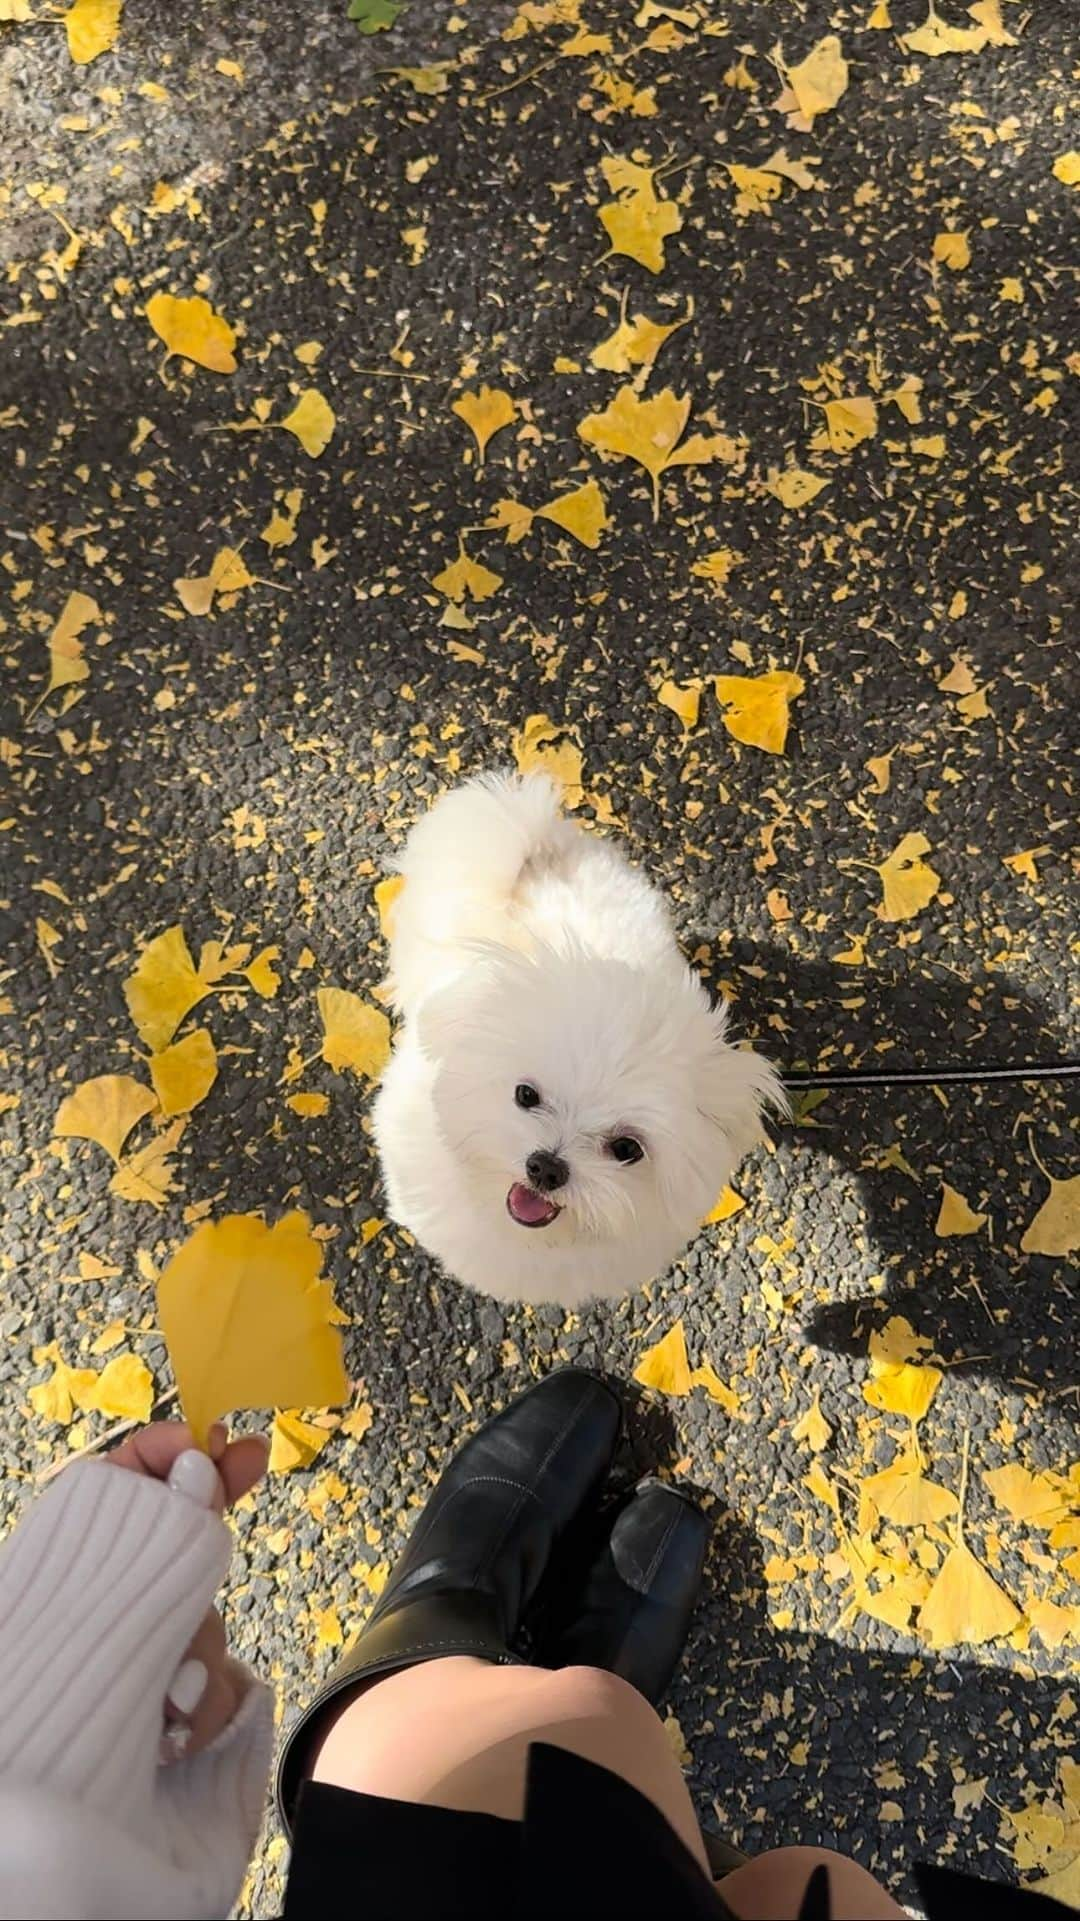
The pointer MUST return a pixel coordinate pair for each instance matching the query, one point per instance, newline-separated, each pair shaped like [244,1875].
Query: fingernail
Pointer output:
[195,1476]
[173,1746]
[188,1685]
[218,1440]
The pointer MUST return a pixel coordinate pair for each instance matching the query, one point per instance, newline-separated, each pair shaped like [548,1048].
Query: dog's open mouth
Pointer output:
[528,1208]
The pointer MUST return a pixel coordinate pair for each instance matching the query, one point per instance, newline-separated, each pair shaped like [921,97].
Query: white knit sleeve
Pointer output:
[102,1585]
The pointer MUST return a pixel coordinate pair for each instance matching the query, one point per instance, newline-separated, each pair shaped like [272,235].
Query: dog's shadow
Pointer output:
[987,1307]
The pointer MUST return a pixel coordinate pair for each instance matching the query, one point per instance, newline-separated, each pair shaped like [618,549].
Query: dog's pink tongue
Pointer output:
[529,1207]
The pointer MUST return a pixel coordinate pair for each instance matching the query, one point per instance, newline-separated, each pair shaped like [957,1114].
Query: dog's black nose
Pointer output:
[546,1171]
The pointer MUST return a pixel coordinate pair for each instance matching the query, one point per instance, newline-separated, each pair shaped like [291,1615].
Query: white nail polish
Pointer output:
[187,1687]
[195,1476]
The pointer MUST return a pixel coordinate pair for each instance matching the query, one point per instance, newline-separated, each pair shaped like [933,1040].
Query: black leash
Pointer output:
[934,1076]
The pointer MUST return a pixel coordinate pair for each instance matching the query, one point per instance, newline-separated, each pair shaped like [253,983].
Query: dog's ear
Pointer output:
[736,1086]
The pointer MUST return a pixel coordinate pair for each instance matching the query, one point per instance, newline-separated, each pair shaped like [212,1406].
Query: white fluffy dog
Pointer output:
[562,1107]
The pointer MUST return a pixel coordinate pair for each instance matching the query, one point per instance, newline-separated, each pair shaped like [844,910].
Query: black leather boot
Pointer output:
[481,1545]
[629,1609]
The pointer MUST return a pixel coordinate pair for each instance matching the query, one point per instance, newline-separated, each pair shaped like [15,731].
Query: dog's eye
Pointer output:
[526,1095]
[625,1149]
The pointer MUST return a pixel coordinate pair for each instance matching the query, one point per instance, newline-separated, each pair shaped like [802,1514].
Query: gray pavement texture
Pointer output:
[248,773]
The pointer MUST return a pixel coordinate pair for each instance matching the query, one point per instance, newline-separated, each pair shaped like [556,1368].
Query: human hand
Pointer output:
[208,1685]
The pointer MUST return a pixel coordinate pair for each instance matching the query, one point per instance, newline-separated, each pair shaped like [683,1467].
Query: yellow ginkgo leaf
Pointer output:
[91,27]
[67,664]
[1028,1497]
[104,1110]
[952,250]
[648,431]
[907,883]
[191,328]
[484,413]
[717,1390]
[542,746]
[638,222]
[757,711]
[1055,1625]
[794,487]
[65,1390]
[817,83]
[184,1073]
[901,1493]
[228,574]
[355,1034]
[897,1341]
[634,343]
[935,37]
[386,892]
[163,988]
[466,578]
[965,1604]
[1066,168]
[683,698]
[899,1388]
[955,1216]
[280,529]
[728,1204]
[666,1366]
[308,1106]
[849,421]
[245,1319]
[581,513]
[755,187]
[512,519]
[124,1390]
[312,421]
[294,1442]
[261,974]
[148,1175]
[813,1428]
[1056,1227]
[717,567]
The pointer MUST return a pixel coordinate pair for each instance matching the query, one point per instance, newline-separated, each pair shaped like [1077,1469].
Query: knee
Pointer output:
[595,1695]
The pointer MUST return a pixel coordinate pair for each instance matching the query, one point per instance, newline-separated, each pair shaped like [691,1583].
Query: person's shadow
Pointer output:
[985,1305]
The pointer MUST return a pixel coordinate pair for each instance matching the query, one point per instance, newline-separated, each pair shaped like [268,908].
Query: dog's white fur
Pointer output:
[525,949]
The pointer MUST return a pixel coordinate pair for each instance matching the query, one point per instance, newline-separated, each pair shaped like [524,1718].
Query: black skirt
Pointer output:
[588,1847]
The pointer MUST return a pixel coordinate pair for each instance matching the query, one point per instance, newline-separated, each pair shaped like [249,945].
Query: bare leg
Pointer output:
[771,1887]
[455,1733]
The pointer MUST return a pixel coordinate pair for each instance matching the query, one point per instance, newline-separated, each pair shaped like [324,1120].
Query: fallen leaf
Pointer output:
[312,421]
[955,1216]
[67,666]
[899,1388]
[280,529]
[1066,168]
[935,37]
[434,79]
[813,1428]
[1062,1886]
[148,1174]
[908,884]
[581,513]
[375,16]
[794,487]
[65,1390]
[757,711]
[191,328]
[635,342]
[1024,862]
[666,1366]
[245,1318]
[104,1110]
[897,1341]
[358,1421]
[902,1494]
[648,431]
[1056,1227]
[816,84]
[124,1390]
[308,1106]
[512,519]
[184,1073]
[969,1795]
[778,905]
[952,250]
[466,578]
[717,1390]
[355,1034]
[755,187]
[91,27]
[717,567]
[684,700]
[328,1629]
[261,974]
[485,413]
[848,422]
[228,575]
[163,988]
[965,1604]
[541,745]
[294,1442]
[638,222]
[1053,1624]
[1026,1496]
[728,1204]
[930,446]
